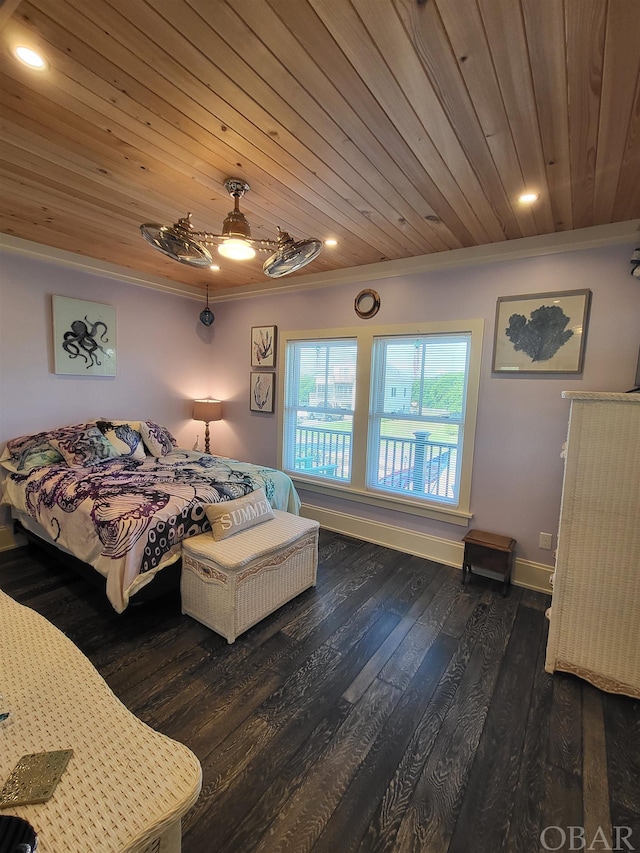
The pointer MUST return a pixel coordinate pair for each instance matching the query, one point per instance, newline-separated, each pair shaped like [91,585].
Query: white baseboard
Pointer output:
[526,573]
[9,540]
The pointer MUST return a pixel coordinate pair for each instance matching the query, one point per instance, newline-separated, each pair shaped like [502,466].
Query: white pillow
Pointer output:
[230,517]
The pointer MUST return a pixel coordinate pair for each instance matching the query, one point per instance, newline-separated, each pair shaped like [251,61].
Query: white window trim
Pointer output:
[357,491]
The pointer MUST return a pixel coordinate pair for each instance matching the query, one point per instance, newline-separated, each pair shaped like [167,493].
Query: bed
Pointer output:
[120,496]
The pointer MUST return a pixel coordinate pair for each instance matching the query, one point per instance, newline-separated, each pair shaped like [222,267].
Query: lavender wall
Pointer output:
[166,358]
[522,421]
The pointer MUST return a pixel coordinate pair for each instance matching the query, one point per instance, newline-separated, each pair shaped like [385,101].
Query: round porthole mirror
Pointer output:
[367,304]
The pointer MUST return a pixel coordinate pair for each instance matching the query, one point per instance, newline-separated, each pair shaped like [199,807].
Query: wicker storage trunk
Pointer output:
[232,584]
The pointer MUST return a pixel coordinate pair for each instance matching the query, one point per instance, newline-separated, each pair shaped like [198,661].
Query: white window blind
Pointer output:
[384,415]
[320,397]
[416,415]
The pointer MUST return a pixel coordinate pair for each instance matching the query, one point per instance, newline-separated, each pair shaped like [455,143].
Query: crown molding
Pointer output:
[40,252]
[525,247]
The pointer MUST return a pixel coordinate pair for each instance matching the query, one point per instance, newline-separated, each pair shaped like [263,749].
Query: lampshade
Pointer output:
[207,410]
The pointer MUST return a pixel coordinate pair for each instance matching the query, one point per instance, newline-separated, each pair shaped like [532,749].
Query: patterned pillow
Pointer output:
[87,447]
[125,437]
[36,457]
[8,462]
[18,446]
[230,517]
[158,439]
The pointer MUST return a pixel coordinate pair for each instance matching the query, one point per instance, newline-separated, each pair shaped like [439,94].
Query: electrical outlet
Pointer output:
[546,541]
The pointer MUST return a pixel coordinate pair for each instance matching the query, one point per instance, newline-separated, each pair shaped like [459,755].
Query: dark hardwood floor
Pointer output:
[388,709]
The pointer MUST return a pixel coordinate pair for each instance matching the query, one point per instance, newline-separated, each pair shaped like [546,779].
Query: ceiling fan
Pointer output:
[181,243]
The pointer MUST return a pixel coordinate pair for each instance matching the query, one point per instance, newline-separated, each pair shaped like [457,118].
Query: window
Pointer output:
[415,445]
[384,415]
[320,395]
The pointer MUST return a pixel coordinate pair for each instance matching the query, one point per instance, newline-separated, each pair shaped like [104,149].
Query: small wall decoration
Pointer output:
[263,346]
[261,389]
[367,304]
[84,337]
[541,333]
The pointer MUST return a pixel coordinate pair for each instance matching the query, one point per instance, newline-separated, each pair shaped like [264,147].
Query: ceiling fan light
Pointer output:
[187,246]
[236,250]
[176,243]
[291,256]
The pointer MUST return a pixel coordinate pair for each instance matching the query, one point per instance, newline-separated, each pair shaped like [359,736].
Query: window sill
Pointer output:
[450,515]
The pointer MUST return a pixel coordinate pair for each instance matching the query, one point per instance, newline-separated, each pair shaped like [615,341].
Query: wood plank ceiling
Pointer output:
[398,127]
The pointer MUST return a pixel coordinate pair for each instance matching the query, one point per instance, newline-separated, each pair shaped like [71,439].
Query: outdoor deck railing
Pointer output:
[322,450]
[405,464]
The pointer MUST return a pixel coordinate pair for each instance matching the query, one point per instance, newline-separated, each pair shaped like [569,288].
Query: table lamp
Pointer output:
[207,410]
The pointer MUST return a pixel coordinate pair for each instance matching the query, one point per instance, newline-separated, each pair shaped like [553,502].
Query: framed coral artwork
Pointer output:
[263,346]
[541,332]
[262,390]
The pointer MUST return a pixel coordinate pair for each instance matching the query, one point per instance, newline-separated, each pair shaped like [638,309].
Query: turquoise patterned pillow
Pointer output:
[86,447]
[18,446]
[36,457]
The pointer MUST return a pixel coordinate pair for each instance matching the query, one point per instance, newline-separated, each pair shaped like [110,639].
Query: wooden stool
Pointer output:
[488,551]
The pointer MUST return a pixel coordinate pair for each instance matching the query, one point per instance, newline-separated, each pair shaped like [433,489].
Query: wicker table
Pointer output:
[126,786]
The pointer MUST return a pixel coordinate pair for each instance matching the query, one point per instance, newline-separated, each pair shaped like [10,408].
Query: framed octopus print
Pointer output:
[84,337]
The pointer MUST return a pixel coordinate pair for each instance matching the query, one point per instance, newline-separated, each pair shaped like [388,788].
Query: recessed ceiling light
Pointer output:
[30,58]
[214,268]
[528,198]
[331,242]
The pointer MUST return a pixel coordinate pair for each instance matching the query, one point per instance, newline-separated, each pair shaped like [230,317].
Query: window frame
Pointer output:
[357,489]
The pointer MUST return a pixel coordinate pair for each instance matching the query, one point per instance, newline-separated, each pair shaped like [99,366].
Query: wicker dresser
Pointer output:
[595,613]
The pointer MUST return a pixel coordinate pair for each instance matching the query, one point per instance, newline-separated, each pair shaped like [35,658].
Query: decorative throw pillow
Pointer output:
[32,457]
[17,446]
[36,457]
[9,462]
[87,447]
[125,437]
[158,439]
[230,517]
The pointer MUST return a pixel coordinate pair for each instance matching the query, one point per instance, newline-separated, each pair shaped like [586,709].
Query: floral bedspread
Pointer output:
[127,517]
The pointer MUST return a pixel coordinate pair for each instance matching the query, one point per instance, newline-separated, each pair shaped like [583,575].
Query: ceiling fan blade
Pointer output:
[175,243]
[291,256]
